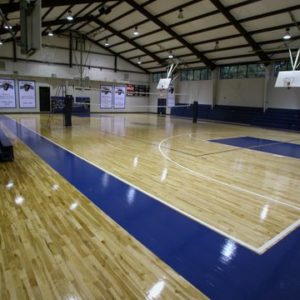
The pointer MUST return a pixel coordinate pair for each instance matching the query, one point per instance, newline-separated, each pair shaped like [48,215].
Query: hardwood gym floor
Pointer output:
[245,195]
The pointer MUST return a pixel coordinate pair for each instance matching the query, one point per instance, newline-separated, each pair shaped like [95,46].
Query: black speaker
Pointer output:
[30,19]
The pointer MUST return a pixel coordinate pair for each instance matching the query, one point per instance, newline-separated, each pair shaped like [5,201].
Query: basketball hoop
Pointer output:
[288,79]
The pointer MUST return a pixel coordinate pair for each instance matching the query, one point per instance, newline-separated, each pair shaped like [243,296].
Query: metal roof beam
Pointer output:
[11,7]
[176,8]
[205,15]
[262,55]
[170,31]
[115,54]
[136,45]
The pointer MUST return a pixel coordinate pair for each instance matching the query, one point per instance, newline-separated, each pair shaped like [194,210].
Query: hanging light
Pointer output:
[217,45]
[106,44]
[139,61]
[287,34]
[180,14]
[104,10]
[7,26]
[69,16]
[50,32]
[136,32]
[1,42]
[171,54]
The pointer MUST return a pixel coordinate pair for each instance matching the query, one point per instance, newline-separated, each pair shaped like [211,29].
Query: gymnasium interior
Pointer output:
[150,149]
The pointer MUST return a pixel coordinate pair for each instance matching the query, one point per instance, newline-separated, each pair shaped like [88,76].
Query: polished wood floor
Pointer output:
[247,195]
[56,244]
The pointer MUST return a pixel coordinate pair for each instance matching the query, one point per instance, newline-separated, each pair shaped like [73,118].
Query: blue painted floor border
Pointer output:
[263,145]
[217,266]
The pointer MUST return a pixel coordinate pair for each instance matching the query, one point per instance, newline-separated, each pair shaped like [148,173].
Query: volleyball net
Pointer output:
[121,98]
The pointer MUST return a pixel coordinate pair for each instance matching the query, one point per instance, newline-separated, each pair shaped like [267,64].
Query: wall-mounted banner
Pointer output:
[7,93]
[171,96]
[27,94]
[106,96]
[120,96]
[130,89]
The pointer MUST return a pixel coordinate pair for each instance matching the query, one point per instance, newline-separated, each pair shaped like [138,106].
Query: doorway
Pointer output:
[44,98]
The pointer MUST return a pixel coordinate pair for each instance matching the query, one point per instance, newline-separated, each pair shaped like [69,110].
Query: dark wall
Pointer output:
[272,117]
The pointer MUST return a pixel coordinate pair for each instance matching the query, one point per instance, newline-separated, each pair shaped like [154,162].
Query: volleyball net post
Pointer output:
[195,111]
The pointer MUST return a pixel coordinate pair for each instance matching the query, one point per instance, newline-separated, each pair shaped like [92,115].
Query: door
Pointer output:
[44,98]
[161,109]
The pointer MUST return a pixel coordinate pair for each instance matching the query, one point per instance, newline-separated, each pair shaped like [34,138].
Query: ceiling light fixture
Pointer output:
[287,34]
[50,32]
[171,54]
[217,45]
[139,61]
[69,16]
[136,32]
[1,42]
[106,44]
[104,10]
[7,26]
[180,14]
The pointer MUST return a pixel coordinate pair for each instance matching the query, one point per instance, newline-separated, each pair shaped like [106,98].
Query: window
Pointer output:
[242,71]
[195,74]
[261,70]
[157,76]
[282,66]
[183,75]
[190,75]
[228,72]
[252,70]
[205,74]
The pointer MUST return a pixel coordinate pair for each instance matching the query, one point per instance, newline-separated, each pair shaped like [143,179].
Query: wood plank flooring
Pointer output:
[56,244]
[247,195]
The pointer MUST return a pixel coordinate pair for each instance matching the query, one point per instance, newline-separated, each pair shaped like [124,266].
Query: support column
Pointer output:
[70,51]
[116,64]
[214,78]
[266,86]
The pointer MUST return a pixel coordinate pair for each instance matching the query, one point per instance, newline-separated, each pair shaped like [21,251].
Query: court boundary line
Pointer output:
[260,250]
[281,235]
[267,245]
[217,180]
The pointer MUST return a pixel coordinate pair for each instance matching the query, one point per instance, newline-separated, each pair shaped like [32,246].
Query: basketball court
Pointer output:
[207,172]
[149,150]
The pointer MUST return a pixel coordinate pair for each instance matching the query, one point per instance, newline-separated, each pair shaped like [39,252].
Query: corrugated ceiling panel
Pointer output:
[261,7]
[201,24]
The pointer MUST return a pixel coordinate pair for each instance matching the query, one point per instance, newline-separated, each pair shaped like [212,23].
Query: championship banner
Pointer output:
[106,96]
[27,94]
[7,93]
[130,89]
[120,96]
[171,96]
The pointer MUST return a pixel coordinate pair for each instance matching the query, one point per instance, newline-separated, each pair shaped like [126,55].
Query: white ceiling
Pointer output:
[252,32]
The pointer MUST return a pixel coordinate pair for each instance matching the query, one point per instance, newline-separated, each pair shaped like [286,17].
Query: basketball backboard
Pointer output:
[163,84]
[288,79]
